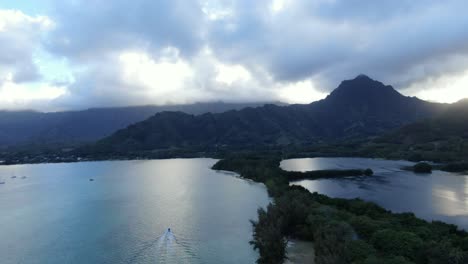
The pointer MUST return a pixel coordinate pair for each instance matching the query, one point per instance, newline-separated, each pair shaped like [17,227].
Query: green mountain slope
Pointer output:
[441,138]
[37,128]
[357,108]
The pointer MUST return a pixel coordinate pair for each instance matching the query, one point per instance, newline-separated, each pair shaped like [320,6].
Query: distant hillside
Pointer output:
[441,138]
[357,108]
[29,127]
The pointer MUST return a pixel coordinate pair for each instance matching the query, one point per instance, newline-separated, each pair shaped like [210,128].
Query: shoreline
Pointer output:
[453,167]
[350,218]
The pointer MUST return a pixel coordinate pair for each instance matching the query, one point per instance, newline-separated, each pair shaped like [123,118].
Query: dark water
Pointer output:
[56,215]
[437,196]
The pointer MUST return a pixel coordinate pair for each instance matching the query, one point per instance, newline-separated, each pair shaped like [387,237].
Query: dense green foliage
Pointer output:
[422,167]
[311,175]
[268,238]
[343,231]
[455,167]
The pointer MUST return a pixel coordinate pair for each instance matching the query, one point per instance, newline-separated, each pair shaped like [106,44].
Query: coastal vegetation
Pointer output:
[343,231]
[422,167]
[267,170]
[455,167]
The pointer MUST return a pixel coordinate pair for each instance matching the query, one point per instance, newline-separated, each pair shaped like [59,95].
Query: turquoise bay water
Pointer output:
[437,196]
[56,215]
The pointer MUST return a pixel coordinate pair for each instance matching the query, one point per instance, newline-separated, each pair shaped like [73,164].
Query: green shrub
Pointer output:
[358,250]
[422,167]
[268,237]
[330,242]
[397,243]
[365,226]
[388,260]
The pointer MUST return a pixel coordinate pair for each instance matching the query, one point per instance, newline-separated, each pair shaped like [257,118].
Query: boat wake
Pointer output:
[167,248]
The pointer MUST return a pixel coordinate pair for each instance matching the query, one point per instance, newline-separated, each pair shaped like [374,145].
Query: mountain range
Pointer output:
[361,107]
[31,127]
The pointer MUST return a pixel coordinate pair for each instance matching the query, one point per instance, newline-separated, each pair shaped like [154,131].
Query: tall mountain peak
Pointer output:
[363,88]
[362,76]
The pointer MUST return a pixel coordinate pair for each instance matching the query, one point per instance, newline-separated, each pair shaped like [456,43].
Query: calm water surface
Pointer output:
[56,215]
[437,196]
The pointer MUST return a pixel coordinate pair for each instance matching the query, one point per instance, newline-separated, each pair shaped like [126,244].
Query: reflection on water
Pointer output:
[377,165]
[451,200]
[57,215]
[437,196]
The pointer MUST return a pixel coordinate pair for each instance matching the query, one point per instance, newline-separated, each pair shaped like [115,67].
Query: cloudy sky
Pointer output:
[74,54]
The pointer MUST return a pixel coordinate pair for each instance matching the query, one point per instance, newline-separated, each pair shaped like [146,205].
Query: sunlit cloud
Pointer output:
[20,96]
[15,19]
[300,92]
[216,10]
[229,74]
[277,5]
[141,70]
[446,88]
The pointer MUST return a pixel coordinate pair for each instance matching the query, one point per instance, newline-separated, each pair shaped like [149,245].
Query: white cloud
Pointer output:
[137,77]
[216,10]
[229,74]
[157,77]
[446,88]
[15,19]
[302,92]
[277,5]
[20,96]
[21,84]
[20,36]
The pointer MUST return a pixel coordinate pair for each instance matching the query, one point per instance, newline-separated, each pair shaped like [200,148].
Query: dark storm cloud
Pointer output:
[326,41]
[393,40]
[88,28]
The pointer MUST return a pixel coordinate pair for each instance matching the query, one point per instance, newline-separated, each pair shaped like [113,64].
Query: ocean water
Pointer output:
[57,215]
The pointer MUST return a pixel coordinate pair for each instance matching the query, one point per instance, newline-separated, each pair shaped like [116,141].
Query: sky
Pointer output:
[74,54]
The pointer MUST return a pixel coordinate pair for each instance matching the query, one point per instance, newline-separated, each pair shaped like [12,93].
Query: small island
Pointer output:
[422,167]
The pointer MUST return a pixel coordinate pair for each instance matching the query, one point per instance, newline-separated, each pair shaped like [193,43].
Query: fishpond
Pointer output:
[438,196]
